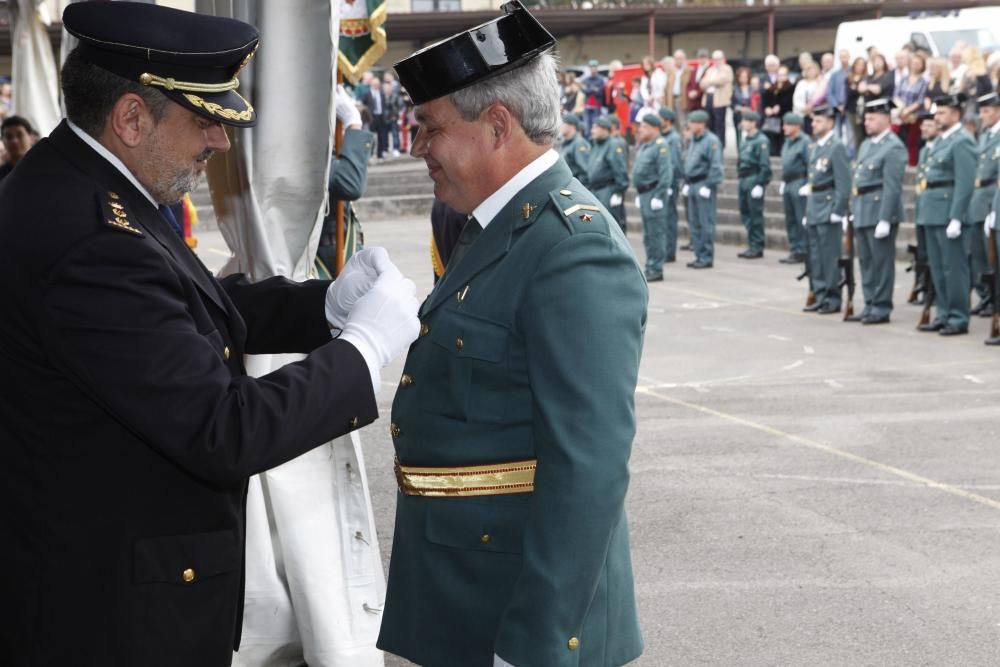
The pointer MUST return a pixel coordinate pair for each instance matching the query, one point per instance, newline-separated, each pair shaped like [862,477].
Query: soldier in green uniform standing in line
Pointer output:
[675,149]
[828,193]
[616,136]
[607,172]
[982,197]
[754,171]
[702,176]
[928,132]
[946,194]
[878,210]
[794,170]
[652,175]
[575,148]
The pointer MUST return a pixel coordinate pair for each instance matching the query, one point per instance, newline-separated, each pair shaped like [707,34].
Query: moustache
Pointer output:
[205,155]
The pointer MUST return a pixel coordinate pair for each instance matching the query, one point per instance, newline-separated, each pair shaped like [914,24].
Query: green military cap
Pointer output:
[751,115]
[572,119]
[603,122]
[791,118]
[651,119]
[698,116]
[882,105]
[666,113]
[614,120]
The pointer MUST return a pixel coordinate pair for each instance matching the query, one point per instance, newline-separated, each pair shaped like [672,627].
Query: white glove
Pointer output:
[616,200]
[836,218]
[991,222]
[805,190]
[781,188]
[805,222]
[383,323]
[954,229]
[685,190]
[882,229]
[757,192]
[347,110]
[354,281]
[843,223]
[705,192]
[638,202]
[656,204]
[670,192]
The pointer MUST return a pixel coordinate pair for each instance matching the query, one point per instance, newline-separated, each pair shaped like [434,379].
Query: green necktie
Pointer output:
[470,232]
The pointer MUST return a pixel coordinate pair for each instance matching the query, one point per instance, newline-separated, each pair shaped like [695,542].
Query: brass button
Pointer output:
[459,344]
[394,430]
[573,643]
[355,422]
[406,380]
[225,352]
[424,329]
[187,575]
[486,538]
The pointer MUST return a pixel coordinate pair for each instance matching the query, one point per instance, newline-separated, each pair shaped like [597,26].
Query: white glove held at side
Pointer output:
[805,190]
[805,222]
[954,229]
[347,110]
[757,192]
[638,202]
[354,281]
[705,192]
[656,204]
[991,222]
[670,192]
[685,190]
[616,200]
[882,229]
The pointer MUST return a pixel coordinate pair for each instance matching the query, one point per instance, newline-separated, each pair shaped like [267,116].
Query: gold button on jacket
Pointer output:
[573,643]
[187,575]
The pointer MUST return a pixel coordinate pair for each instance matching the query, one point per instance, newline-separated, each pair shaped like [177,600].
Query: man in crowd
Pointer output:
[607,173]
[944,211]
[836,90]
[375,100]
[828,193]
[878,210]
[675,149]
[499,446]
[702,177]
[717,85]
[753,168]
[574,148]
[902,69]
[18,137]
[982,198]
[695,94]
[771,65]
[678,86]
[794,173]
[134,428]
[593,96]
[652,175]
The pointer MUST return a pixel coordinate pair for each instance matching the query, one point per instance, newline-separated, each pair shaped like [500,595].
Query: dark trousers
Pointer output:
[877,259]
[717,123]
[824,262]
[949,260]
[380,127]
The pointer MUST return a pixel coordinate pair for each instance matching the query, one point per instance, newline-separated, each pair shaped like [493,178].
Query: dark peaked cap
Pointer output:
[191,58]
[469,57]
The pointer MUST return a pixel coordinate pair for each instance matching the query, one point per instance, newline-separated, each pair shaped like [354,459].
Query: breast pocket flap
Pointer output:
[485,527]
[185,559]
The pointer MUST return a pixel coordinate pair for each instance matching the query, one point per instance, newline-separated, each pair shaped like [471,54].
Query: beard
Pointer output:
[172,178]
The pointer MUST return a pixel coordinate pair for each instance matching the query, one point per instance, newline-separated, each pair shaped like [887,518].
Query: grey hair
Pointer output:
[529,92]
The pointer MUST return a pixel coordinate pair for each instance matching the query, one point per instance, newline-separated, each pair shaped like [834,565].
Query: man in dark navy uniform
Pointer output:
[129,426]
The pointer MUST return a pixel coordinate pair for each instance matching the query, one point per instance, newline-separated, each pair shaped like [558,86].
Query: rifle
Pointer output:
[847,267]
[929,296]
[992,282]
[806,273]
[919,268]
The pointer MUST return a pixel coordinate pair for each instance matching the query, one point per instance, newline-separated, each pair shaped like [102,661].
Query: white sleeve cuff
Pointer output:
[500,662]
[369,356]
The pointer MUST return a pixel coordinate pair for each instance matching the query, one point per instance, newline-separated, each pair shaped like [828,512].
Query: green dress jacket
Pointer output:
[795,161]
[703,161]
[576,153]
[879,164]
[653,169]
[986,175]
[754,160]
[675,147]
[951,167]
[607,173]
[529,349]
[830,178]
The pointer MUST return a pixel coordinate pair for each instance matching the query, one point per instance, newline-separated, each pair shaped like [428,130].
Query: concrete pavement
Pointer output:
[804,491]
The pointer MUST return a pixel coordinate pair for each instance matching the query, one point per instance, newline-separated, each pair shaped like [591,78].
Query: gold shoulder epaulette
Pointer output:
[116,214]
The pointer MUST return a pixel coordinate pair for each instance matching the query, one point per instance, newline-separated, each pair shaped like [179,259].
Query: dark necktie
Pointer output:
[470,232]
[168,215]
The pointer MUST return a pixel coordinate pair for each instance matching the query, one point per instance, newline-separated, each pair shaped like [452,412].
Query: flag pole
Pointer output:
[338,144]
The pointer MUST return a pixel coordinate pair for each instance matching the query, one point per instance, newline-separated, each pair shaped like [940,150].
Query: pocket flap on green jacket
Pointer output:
[477,526]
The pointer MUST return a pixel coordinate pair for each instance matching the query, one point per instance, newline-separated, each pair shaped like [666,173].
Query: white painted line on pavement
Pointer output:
[793,365]
[808,349]
[840,480]
[783,339]
[220,253]
[833,451]
[718,329]
[973,379]
[834,384]
[701,305]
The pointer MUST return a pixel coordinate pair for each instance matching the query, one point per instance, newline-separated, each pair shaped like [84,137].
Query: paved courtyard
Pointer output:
[804,491]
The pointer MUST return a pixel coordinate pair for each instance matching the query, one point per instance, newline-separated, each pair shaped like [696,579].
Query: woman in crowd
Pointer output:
[777,101]
[807,91]
[938,80]
[975,83]
[743,94]
[854,104]
[910,99]
[880,82]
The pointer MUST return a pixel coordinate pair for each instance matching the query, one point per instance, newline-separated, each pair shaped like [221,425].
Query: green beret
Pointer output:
[652,119]
[603,122]
[698,116]
[792,118]
[615,120]
[751,115]
[572,119]
[666,113]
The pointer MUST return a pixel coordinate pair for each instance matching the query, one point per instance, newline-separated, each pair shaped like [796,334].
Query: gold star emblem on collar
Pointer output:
[527,209]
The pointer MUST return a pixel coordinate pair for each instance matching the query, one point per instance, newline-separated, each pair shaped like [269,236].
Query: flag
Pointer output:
[362,38]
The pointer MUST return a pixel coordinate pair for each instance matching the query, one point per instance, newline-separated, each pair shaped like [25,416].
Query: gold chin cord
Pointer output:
[493,479]
[169,83]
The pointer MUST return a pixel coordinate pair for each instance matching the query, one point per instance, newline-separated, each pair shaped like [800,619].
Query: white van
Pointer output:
[978,27]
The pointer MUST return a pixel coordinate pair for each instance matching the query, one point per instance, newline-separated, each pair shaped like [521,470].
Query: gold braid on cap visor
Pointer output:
[169,83]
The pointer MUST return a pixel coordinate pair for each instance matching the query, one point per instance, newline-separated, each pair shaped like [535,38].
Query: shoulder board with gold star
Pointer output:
[579,209]
[116,214]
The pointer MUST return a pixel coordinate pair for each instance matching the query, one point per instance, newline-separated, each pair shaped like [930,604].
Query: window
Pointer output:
[437,5]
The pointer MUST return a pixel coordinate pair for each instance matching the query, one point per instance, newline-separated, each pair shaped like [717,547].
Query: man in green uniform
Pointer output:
[607,174]
[619,141]
[794,170]
[675,149]
[982,198]
[702,176]
[575,148]
[878,210]
[753,168]
[993,128]
[946,194]
[511,543]
[652,175]
[828,192]
[929,132]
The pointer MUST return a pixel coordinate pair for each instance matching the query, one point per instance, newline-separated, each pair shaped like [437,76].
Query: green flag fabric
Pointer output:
[362,38]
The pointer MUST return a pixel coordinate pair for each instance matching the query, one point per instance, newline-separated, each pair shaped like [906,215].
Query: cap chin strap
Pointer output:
[169,83]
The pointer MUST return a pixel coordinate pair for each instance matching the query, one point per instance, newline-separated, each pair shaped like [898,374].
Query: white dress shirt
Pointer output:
[492,205]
